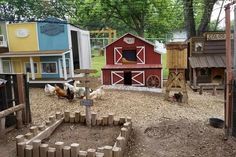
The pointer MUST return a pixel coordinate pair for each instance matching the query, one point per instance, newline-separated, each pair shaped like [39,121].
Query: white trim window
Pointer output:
[27,68]
[6,64]
[49,67]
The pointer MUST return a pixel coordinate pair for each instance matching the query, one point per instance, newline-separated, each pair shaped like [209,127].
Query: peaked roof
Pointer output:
[150,43]
[133,36]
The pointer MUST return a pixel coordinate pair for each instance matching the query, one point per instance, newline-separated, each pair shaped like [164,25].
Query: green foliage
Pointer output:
[98,62]
[26,10]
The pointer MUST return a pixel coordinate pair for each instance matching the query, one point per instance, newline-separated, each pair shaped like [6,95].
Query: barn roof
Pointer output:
[207,61]
[144,40]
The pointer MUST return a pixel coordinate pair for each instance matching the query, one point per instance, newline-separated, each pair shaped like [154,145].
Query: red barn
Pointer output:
[132,60]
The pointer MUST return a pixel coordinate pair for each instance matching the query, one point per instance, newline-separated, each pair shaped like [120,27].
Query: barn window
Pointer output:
[129,56]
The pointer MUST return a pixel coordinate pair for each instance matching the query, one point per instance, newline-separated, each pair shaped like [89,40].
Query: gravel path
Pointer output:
[161,128]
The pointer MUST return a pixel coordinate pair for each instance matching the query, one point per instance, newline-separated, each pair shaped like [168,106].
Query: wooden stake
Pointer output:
[116,151]
[29,135]
[82,118]
[59,146]
[2,126]
[99,121]
[74,149]
[36,145]
[51,152]
[21,149]
[82,154]
[52,118]
[94,116]
[58,115]
[19,119]
[110,119]
[99,154]
[77,116]
[48,122]
[66,151]
[41,127]
[124,132]
[122,120]
[116,121]
[28,151]
[34,130]
[91,153]
[43,150]
[67,116]
[105,120]
[72,119]
[128,119]
[19,139]
[100,149]
[108,151]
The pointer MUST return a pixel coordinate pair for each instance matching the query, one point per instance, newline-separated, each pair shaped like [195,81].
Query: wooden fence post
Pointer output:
[36,145]
[74,149]
[29,151]
[66,151]
[59,146]
[108,151]
[43,150]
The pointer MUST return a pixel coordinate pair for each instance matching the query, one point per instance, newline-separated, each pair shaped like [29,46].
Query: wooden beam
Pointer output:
[86,71]
[47,132]
[11,110]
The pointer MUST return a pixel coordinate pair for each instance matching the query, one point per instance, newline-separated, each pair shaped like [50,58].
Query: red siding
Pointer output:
[152,64]
[151,57]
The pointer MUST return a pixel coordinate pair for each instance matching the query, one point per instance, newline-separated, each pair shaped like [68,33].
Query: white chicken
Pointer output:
[97,94]
[49,89]
[80,91]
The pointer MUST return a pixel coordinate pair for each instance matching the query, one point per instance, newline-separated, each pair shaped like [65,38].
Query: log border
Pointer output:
[33,139]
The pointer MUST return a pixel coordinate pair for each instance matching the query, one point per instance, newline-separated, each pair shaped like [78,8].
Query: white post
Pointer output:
[32,68]
[1,66]
[71,64]
[64,66]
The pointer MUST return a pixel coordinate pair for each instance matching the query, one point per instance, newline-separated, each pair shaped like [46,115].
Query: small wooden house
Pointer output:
[49,50]
[132,60]
[206,62]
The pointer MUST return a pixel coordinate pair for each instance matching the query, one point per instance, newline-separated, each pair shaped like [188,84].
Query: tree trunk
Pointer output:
[206,17]
[189,18]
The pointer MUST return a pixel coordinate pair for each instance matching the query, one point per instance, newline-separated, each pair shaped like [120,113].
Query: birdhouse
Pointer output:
[176,55]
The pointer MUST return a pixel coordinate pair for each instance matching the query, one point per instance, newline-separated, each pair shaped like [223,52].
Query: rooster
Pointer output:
[60,92]
[49,89]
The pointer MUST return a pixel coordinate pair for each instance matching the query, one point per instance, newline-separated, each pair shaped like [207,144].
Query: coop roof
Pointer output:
[207,61]
[34,53]
[142,39]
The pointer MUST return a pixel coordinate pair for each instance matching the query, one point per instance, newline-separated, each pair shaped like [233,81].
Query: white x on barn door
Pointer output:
[117,55]
[140,55]
[117,77]
[138,78]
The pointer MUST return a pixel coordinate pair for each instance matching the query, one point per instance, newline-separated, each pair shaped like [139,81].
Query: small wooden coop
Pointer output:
[176,63]
[132,61]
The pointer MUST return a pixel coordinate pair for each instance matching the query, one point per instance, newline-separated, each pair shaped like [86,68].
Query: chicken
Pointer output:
[79,91]
[49,89]
[178,97]
[97,94]
[69,94]
[60,92]
[69,86]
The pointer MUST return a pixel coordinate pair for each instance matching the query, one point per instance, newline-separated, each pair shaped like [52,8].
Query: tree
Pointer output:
[26,10]
[190,16]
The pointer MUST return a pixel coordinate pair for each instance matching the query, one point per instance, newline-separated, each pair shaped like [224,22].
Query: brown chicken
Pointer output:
[60,92]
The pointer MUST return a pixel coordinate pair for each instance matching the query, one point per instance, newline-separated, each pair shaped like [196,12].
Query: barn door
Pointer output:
[117,55]
[117,77]
[138,78]
[140,55]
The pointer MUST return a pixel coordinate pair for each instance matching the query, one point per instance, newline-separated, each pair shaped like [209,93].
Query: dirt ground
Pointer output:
[161,128]
[87,137]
